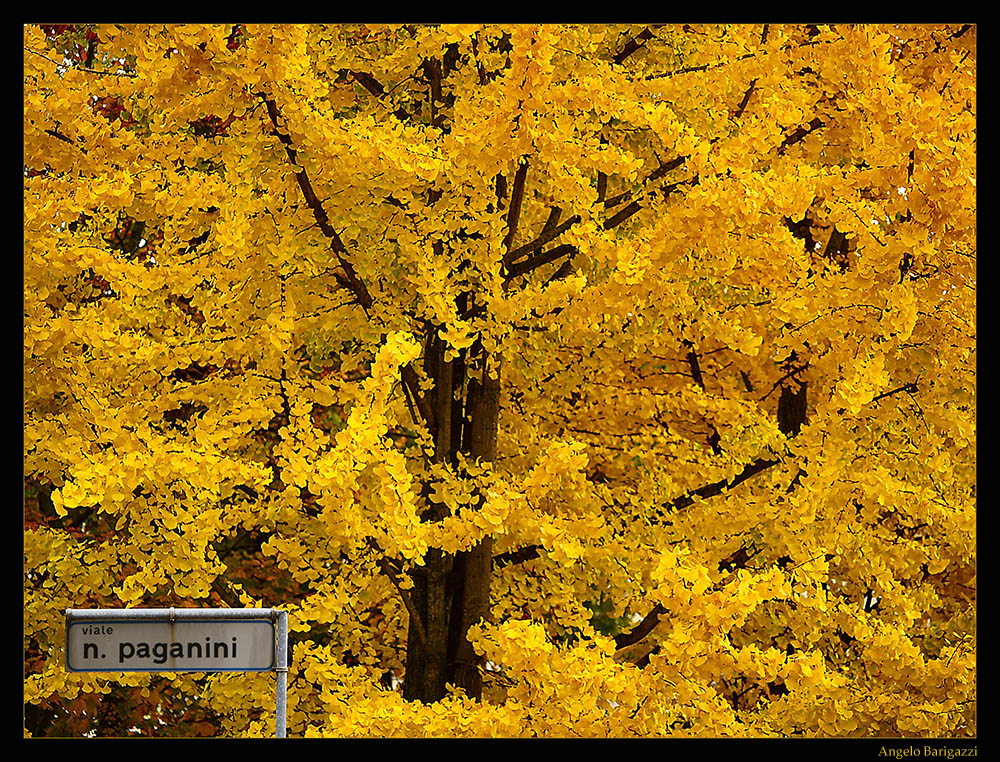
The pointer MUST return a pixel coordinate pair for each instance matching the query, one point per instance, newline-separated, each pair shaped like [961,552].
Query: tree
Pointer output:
[558,380]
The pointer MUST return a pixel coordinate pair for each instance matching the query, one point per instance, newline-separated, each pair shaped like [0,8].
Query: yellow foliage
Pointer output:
[721,279]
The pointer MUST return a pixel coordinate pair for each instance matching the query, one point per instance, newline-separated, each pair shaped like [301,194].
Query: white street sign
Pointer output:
[183,645]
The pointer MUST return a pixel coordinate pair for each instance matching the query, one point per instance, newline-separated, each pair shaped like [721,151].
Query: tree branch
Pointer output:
[544,238]
[564,269]
[656,174]
[641,630]
[553,220]
[622,215]
[227,597]
[533,263]
[692,358]
[368,82]
[635,43]
[412,387]
[909,388]
[717,488]
[800,133]
[349,279]
[746,96]
[65,139]
[727,62]
[514,211]
[520,556]
[83,68]
[418,626]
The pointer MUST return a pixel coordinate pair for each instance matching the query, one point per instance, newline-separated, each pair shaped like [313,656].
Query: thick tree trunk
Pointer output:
[451,592]
[475,566]
[426,662]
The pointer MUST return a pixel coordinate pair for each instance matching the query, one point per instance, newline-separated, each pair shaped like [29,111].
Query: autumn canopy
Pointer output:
[597,380]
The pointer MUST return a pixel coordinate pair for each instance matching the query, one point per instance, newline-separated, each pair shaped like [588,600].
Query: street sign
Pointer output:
[182,640]
[209,645]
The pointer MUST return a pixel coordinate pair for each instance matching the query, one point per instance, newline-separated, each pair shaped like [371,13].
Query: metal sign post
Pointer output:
[282,670]
[181,640]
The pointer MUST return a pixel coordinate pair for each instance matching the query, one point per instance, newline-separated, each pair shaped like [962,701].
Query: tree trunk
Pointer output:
[451,592]
[475,566]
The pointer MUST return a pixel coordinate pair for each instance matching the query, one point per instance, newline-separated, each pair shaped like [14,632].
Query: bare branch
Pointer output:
[553,220]
[746,98]
[635,43]
[717,488]
[692,358]
[418,626]
[527,553]
[83,68]
[800,133]
[544,238]
[533,263]
[622,215]
[514,211]
[642,629]
[349,279]
[910,388]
